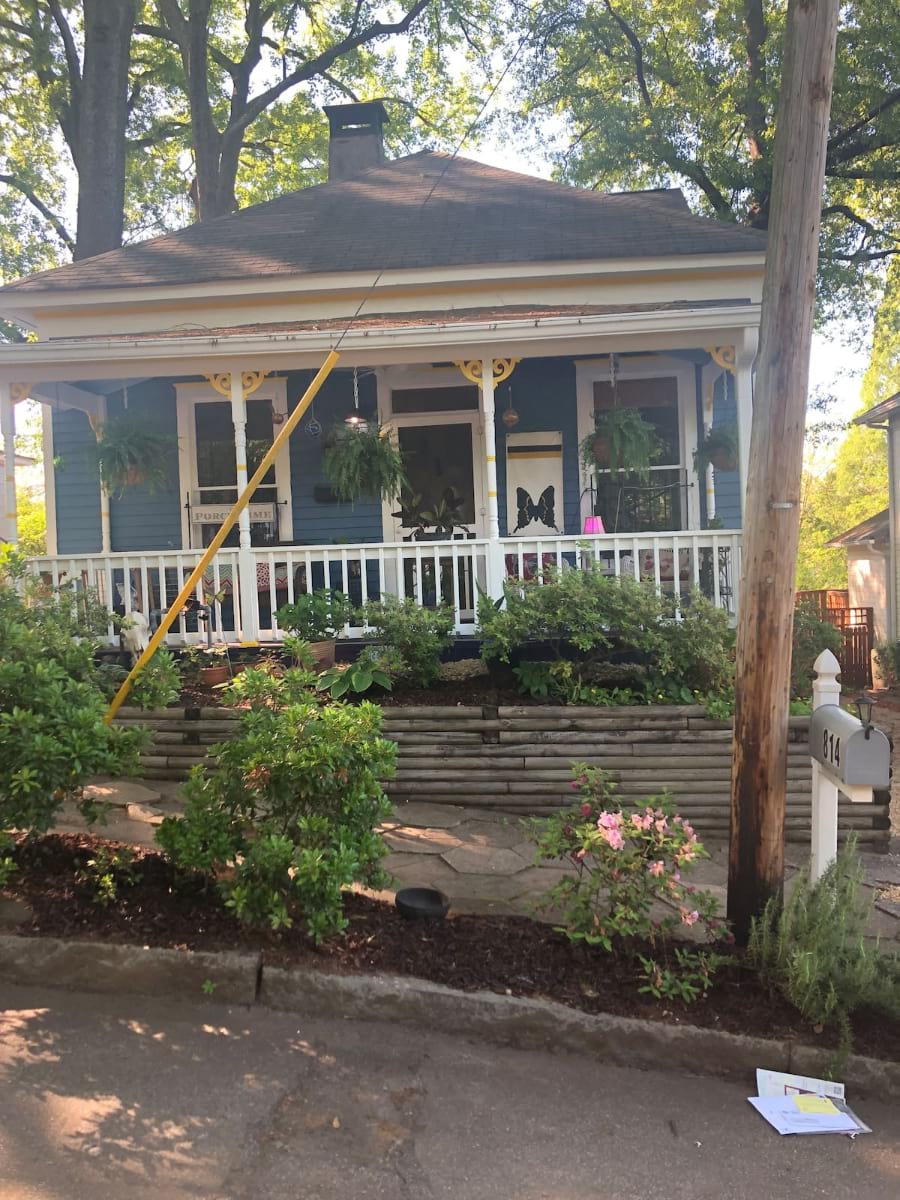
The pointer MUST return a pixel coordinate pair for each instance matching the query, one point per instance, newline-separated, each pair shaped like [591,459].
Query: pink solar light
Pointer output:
[593,524]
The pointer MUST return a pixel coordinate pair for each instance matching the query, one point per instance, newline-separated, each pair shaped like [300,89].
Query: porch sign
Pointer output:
[534,484]
[847,757]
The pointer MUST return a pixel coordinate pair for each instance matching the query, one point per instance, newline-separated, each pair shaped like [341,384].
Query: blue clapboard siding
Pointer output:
[543,394]
[315,522]
[728,487]
[77,484]
[140,519]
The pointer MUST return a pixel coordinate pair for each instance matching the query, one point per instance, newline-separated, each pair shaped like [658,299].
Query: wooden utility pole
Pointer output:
[772,506]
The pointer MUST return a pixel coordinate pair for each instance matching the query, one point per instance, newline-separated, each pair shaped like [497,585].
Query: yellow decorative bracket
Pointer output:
[502,369]
[19,391]
[250,382]
[722,356]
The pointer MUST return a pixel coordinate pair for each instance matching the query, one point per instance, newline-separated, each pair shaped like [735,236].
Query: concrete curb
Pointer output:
[502,1020]
[108,967]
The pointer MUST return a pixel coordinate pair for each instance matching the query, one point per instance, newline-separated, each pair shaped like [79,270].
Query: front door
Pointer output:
[443,500]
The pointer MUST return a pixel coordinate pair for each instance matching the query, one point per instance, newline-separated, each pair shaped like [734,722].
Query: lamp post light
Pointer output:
[864,703]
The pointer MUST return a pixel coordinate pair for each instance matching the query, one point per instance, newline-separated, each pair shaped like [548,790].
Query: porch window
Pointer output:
[216,467]
[438,461]
[434,399]
[627,505]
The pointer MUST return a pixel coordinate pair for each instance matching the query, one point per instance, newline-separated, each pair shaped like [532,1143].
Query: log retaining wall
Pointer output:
[517,760]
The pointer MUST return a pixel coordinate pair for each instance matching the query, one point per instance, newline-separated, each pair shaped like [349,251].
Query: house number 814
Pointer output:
[831,748]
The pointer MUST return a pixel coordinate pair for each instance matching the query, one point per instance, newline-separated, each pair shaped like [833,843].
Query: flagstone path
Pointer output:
[483,861]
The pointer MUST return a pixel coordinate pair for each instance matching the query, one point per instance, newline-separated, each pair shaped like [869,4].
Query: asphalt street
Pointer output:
[127,1098]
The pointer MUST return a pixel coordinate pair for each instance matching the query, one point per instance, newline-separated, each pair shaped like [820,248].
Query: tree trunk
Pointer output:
[772,511]
[102,117]
[206,137]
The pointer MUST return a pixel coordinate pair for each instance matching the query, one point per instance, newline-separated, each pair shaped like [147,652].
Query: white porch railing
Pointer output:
[446,572]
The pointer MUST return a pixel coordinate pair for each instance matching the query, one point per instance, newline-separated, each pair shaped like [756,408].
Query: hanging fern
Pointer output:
[363,463]
[130,452]
[621,441]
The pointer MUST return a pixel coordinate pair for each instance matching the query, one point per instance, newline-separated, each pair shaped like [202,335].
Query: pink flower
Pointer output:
[641,822]
[585,810]
[609,820]
[685,855]
[574,785]
[689,829]
[661,825]
[580,854]
[612,837]
[689,918]
[657,868]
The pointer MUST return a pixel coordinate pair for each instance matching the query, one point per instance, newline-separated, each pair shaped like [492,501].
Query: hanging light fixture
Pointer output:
[510,417]
[355,419]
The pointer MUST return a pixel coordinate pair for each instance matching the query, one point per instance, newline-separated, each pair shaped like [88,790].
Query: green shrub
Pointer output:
[585,616]
[419,635]
[315,616]
[811,635]
[159,683]
[887,656]
[286,821]
[52,701]
[814,950]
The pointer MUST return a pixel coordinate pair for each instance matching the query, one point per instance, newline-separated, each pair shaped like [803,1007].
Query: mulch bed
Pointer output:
[472,693]
[510,955]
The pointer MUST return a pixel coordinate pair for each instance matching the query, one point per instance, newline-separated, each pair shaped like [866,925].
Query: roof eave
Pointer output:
[37,361]
[19,303]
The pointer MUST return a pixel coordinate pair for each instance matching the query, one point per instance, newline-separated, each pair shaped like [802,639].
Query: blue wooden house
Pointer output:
[484,317]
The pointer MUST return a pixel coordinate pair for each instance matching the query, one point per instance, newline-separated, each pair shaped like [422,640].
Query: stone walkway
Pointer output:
[483,861]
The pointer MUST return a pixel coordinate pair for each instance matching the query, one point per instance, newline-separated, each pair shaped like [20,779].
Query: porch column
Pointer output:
[237,386]
[246,563]
[745,356]
[8,429]
[487,372]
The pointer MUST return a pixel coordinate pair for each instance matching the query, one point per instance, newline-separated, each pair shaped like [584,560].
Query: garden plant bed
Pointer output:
[506,955]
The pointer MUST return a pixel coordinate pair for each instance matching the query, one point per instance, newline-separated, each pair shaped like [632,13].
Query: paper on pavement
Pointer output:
[779,1083]
[785,1116]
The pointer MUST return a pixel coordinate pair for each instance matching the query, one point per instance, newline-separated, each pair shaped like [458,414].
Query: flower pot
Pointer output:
[210,676]
[723,460]
[323,653]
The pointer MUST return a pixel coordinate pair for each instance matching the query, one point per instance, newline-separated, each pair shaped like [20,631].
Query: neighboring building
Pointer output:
[885,534]
[869,570]
[431,273]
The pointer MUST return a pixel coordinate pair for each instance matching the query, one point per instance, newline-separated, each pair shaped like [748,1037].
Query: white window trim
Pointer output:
[188,395]
[390,379]
[591,371]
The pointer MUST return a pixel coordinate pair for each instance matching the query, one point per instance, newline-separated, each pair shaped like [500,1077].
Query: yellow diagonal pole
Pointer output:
[227,525]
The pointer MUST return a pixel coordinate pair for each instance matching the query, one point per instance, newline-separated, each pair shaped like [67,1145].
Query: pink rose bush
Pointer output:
[628,887]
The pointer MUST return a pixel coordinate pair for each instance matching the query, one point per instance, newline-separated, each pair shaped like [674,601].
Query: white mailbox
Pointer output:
[847,757]
[853,754]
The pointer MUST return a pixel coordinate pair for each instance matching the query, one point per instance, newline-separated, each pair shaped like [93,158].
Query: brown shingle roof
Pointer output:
[425,210]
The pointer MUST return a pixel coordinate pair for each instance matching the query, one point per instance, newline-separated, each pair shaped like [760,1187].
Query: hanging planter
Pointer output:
[130,453]
[621,441]
[718,448]
[363,462]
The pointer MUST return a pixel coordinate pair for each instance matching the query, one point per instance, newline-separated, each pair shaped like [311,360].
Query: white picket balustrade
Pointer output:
[430,572]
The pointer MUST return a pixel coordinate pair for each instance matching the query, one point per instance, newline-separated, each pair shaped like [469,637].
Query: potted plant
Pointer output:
[316,618]
[718,447]
[621,441]
[361,462]
[209,667]
[438,520]
[131,452]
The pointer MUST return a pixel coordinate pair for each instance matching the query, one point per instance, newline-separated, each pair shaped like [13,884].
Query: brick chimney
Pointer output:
[356,140]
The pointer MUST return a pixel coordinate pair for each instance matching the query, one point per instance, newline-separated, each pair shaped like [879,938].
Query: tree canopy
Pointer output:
[180,110]
[654,92]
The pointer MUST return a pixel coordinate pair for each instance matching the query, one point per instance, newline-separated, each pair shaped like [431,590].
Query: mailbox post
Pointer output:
[847,757]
